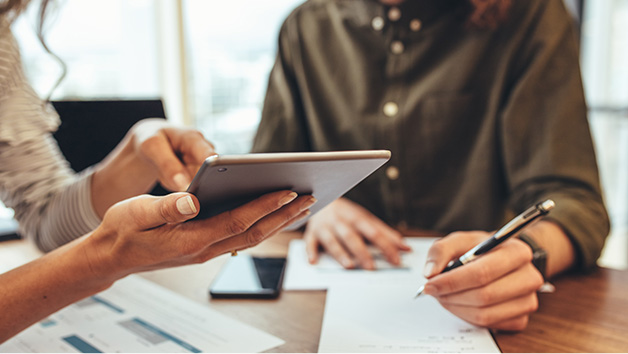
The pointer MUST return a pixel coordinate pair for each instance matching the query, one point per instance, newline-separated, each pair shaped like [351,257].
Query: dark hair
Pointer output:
[487,14]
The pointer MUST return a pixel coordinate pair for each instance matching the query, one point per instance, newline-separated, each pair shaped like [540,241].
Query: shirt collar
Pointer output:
[362,12]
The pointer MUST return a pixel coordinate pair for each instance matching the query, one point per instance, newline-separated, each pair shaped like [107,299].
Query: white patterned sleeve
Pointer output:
[52,204]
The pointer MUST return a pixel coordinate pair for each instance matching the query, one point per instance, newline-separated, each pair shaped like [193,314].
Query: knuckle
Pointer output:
[483,274]
[533,304]
[438,247]
[166,213]
[254,236]
[521,323]
[236,225]
[482,318]
[447,285]
[485,297]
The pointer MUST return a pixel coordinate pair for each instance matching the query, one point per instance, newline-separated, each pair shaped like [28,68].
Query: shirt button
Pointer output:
[394,14]
[392,173]
[377,23]
[396,47]
[391,109]
[415,25]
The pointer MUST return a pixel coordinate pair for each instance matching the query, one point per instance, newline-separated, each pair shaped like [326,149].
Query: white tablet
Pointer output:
[226,182]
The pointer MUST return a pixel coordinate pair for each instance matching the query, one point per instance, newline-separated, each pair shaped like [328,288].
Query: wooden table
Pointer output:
[587,313]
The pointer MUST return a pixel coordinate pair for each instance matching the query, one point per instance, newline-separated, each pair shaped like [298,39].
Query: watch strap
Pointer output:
[539,255]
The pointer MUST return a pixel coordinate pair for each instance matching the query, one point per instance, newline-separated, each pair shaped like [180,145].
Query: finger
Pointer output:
[449,247]
[264,228]
[493,265]
[147,212]
[238,220]
[191,146]
[513,324]
[159,152]
[311,245]
[493,315]
[524,280]
[386,239]
[354,244]
[329,240]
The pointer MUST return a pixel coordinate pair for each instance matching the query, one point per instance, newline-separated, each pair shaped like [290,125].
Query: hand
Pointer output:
[497,290]
[146,232]
[153,150]
[139,234]
[342,228]
[175,153]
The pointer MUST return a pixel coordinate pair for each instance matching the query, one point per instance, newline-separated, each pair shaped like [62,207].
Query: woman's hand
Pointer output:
[343,228]
[498,290]
[138,234]
[153,150]
[175,153]
[146,232]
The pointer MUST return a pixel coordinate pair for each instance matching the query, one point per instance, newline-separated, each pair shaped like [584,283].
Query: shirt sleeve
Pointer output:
[283,127]
[52,204]
[546,142]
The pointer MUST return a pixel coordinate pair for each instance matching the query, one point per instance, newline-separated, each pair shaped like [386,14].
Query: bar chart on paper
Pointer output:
[136,315]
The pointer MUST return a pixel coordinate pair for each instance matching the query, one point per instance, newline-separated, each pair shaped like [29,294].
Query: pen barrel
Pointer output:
[453,265]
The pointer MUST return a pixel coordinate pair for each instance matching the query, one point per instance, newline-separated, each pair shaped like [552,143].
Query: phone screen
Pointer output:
[244,276]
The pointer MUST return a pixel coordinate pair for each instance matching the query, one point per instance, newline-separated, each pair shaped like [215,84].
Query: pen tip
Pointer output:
[419,292]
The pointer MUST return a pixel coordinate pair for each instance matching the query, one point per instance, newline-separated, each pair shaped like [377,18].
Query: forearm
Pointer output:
[121,175]
[42,287]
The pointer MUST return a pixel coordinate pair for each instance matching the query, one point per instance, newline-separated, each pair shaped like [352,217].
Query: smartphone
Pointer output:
[248,277]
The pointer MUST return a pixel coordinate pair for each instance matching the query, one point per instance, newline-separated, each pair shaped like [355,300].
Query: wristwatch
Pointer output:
[539,255]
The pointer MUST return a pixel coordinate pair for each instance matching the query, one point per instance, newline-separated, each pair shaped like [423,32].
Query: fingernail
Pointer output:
[186,205]
[347,263]
[181,181]
[395,260]
[427,271]
[288,198]
[309,203]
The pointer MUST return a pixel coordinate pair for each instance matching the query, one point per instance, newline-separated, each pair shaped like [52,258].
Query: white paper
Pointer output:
[384,319]
[300,275]
[136,315]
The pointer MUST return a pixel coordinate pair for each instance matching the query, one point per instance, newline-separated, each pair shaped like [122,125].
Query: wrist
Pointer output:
[97,254]
[122,174]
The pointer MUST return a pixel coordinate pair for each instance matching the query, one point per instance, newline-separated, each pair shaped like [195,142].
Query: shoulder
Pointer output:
[543,14]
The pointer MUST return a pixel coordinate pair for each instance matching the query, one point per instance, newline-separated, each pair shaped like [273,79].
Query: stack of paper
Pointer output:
[375,311]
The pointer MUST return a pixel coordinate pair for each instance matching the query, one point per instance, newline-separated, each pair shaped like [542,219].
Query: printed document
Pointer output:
[136,315]
[300,275]
[387,318]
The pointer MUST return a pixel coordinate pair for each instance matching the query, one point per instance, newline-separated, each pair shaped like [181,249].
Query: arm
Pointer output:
[283,126]
[51,203]
[140,234]
[152,151]
[548,153]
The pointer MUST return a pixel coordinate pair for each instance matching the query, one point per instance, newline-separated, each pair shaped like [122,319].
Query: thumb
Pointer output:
[150,212]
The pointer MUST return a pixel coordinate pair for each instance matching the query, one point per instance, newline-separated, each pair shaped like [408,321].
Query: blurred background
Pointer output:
[209,61]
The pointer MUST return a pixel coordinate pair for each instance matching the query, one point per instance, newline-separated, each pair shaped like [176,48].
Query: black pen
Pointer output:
[514,226]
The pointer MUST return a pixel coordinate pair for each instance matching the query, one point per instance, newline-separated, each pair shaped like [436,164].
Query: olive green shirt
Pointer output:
[481,123]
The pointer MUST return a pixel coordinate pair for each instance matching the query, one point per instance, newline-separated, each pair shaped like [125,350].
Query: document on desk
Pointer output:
[136,315]
[300,275]
[387,319]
